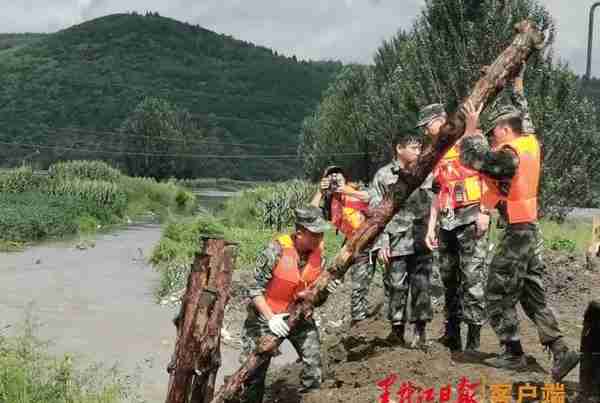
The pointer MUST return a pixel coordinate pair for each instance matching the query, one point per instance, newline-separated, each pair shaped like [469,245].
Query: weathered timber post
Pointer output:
[506,66]
[589,366]
[197,355]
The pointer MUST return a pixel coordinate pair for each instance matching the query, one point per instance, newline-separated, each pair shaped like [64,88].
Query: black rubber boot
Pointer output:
[396,336]
[451,337]
[473,338]
[563,360]
[511,357]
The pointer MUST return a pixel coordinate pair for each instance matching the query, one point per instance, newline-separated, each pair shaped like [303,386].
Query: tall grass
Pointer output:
[92,170]
[79,197]
[268,206]
[29,374]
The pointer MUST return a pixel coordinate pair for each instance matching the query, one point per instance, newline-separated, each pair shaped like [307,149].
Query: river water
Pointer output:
[98,304]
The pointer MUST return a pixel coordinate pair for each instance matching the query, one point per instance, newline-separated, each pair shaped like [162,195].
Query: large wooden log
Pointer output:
[197,355]
[589,366]
[504,68]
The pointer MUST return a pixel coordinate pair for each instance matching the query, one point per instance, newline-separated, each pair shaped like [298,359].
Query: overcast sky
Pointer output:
[348,30]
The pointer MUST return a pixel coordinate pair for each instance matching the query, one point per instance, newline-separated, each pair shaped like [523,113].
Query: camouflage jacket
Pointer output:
[266,262]
[501,164]
[405,233]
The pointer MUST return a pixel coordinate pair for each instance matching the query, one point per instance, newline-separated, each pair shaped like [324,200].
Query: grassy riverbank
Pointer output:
[79,197]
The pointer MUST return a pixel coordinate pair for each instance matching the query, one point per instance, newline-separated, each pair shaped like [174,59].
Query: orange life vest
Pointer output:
[459,186]
[288,279]
[347,212]
[521,201]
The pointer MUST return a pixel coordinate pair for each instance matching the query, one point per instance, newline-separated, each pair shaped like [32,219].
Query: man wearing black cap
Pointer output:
[289,265]
[511,168]
[460,242]
[344,204]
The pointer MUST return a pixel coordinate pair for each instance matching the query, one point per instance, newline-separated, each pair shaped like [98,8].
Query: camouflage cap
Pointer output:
[310,217]
[502,113]
[505,112]
[429,113]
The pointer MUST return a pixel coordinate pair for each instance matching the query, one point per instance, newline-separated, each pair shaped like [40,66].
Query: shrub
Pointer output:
[20,180]
[32,216]
[146,194]
[176,248]
[93,170]
[562,244]
[183,198]
[30,374]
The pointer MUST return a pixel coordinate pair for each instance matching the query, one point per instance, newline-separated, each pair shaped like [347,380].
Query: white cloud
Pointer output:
[350,30]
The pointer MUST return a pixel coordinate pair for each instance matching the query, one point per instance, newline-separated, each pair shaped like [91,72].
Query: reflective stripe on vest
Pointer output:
[347,213]
[287,279]
[459,186]
[521,201]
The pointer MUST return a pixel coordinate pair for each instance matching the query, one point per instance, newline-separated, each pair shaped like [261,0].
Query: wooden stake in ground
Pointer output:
[589,366]
[504,68]
[197,355]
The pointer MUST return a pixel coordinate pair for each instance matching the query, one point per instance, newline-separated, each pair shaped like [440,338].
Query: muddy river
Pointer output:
[97,303]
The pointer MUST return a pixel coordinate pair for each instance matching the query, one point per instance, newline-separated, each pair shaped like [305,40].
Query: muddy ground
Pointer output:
[355,360]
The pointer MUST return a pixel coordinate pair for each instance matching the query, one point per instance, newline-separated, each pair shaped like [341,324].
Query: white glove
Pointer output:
[278,325]
[333,285]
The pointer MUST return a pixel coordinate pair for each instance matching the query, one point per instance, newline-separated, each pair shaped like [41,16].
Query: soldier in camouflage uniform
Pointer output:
[344,204]
[461,243]
[288,265]
[511,169]
[401,247]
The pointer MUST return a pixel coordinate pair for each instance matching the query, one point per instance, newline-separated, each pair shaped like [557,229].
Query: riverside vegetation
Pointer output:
[79,197]
[29,374]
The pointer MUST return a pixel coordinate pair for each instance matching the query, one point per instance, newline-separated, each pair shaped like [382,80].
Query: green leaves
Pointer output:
[439,60]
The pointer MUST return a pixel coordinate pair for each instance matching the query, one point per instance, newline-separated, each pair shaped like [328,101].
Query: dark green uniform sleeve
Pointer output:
[477,154]
[263,269]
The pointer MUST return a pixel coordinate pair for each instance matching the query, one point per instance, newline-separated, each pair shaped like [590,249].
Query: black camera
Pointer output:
[335,182]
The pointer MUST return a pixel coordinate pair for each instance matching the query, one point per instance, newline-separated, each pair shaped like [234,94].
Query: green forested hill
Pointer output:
[74,89]
[14,40]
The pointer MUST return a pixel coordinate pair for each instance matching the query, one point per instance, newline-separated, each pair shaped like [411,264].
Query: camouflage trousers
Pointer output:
[462,267]
[362,275]
[515,276]
[411,273]
[306,341]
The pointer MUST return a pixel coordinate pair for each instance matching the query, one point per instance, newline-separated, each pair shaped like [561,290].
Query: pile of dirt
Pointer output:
[357,359]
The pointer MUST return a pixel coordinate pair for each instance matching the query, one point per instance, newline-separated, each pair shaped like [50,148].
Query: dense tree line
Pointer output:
[438,60]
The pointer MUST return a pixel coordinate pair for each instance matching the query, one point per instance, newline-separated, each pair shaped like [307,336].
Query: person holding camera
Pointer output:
[344,204]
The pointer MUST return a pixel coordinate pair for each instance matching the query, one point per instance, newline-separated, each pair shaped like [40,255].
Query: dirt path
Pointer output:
[98,303]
